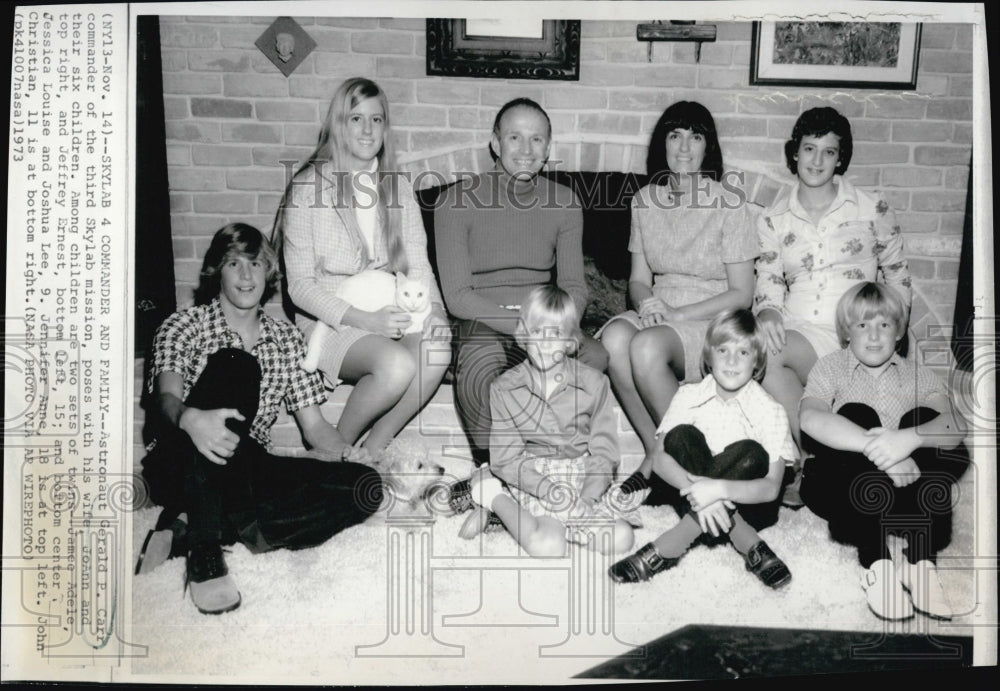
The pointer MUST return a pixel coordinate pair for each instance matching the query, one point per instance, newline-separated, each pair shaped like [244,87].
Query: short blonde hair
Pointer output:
[864,301]
[736,325]
[549,303]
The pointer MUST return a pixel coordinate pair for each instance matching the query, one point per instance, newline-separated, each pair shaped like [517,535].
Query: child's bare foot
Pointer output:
[339,450]
[358,454]
[475,524]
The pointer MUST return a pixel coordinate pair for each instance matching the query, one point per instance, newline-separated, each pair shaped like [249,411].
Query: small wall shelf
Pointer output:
[675,31]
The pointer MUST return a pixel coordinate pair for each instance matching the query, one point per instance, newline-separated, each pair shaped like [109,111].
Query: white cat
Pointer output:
[371,290]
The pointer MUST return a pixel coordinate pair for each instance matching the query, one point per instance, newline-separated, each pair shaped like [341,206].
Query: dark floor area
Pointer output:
[733,652]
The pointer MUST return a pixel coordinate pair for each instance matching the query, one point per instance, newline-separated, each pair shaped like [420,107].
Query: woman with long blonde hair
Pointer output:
[346,210]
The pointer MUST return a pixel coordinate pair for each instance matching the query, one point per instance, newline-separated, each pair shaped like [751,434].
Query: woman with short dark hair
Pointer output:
[818,238]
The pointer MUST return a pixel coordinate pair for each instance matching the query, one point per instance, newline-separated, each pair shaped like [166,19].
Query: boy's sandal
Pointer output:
[494,525]
[762,562]
[641,566]
[460,500]
[922,582]
[213,590]
[885,594]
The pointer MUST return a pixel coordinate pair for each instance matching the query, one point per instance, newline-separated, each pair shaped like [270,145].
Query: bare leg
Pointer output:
[617,338]
[786,376]
[382,370]
[540,536]
[545,536]
[430,370]
[657,356]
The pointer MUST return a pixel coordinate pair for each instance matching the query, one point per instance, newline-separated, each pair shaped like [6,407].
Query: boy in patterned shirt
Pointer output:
[878,425]
[220,371]
[725,444]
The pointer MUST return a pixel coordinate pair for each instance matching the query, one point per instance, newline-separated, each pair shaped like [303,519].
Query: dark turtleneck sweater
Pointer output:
[498,238]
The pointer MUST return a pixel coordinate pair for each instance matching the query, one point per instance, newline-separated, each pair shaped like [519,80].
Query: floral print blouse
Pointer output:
[802,262]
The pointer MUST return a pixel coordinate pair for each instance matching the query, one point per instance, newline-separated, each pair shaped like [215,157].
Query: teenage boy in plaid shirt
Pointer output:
[220,371]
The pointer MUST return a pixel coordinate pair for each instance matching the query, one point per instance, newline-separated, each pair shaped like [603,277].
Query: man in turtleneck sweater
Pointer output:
[498,236]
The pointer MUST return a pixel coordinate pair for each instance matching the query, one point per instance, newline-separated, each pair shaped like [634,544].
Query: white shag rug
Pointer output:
[307,616]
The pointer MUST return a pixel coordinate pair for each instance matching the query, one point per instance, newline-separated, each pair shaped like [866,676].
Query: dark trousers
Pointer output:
[862,506]
[482,354]
[741,460]
[265,501]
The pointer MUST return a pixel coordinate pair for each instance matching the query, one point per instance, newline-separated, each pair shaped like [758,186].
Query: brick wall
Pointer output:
[232,116]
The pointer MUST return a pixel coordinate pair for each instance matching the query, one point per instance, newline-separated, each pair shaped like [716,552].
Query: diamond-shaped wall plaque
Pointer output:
[286,44]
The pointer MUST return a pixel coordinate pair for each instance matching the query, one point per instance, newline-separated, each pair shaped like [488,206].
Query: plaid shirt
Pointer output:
[750,414]
[840,378]
[186,339]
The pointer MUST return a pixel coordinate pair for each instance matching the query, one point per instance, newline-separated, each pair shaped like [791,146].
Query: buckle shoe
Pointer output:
[641,566]
[762,562]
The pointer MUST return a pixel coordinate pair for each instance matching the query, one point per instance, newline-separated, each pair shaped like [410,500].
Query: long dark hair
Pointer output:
[683,115]
[235,238]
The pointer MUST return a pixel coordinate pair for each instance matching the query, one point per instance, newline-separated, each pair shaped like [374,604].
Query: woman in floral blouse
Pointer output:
[819,238]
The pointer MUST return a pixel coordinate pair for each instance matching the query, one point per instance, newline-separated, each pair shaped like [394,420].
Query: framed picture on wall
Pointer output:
[881,55]
[504,48]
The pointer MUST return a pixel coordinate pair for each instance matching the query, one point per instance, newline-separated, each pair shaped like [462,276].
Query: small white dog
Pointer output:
[414,484]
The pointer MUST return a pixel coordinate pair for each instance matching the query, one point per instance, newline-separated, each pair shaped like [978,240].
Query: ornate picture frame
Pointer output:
[838,54]
[453,51]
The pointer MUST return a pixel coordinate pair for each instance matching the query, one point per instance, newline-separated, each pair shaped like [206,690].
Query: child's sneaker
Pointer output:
[921,579]
[885,594]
